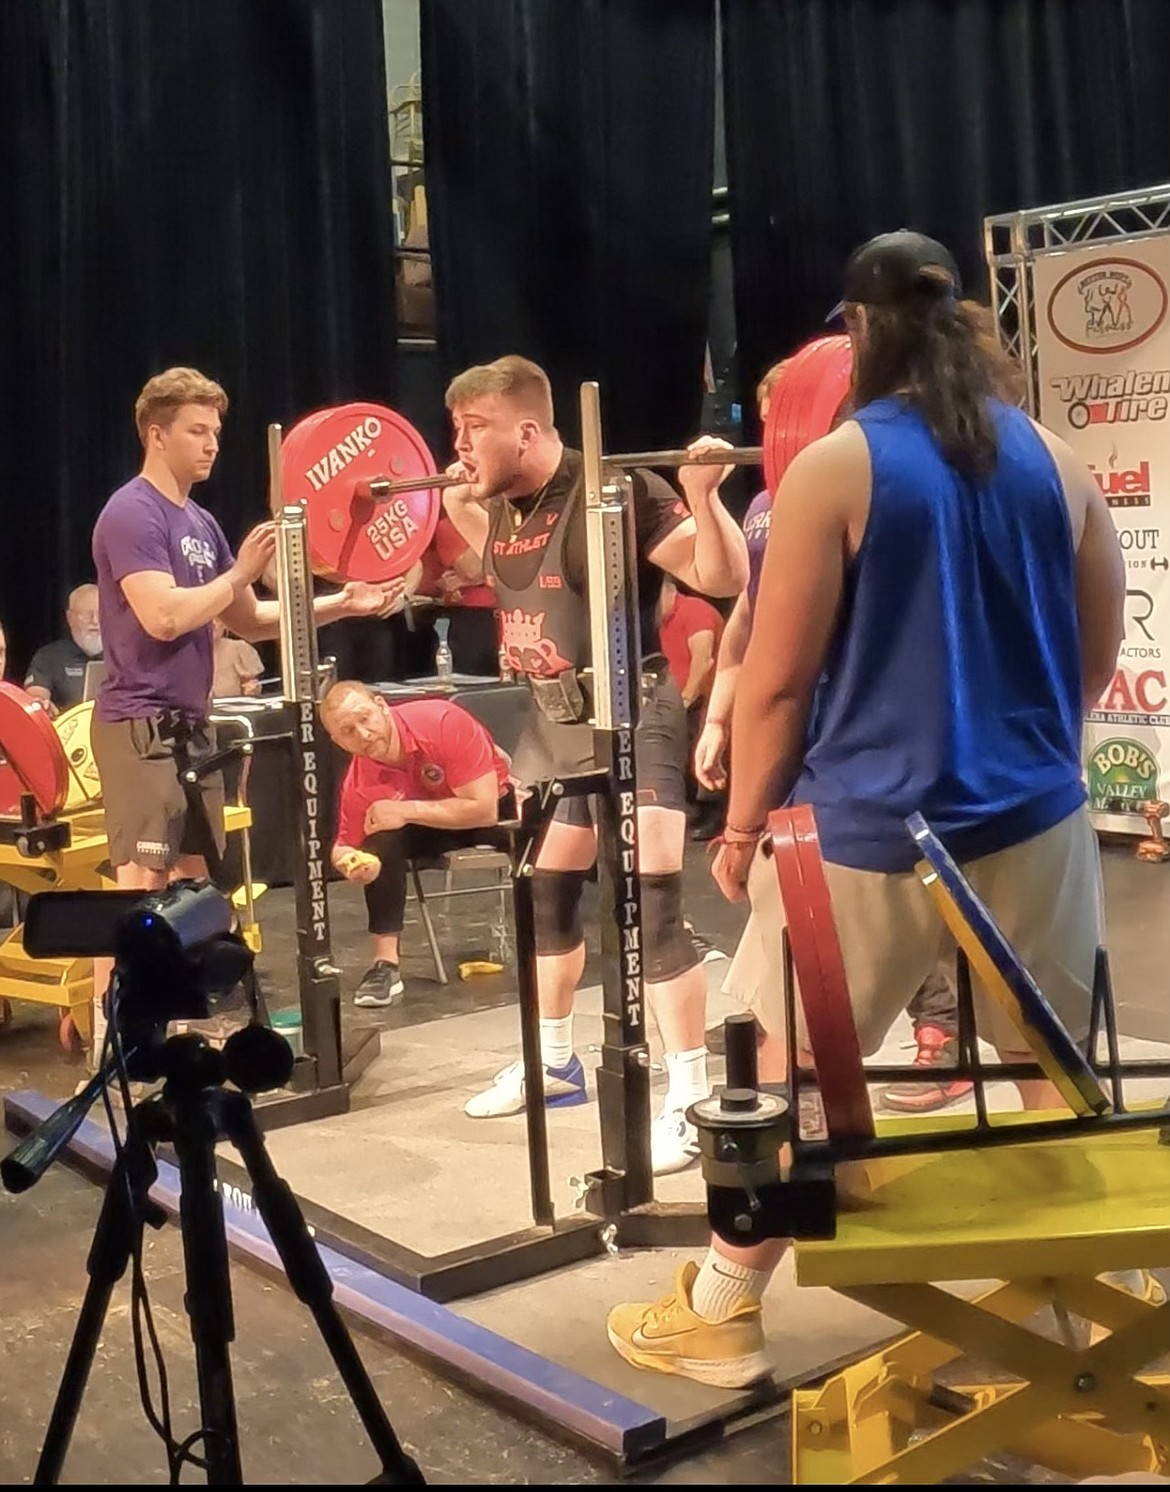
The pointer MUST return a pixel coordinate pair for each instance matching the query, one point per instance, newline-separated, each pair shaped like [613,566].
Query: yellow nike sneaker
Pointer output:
[667,1337]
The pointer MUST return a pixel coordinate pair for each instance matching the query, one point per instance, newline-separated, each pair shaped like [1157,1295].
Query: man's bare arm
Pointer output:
[707,551]
[823,494]
[701,647]
[467,513]
[166,610]
[1100,569]
[474,805]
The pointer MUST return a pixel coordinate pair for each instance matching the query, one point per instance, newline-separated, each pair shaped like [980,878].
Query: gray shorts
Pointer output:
[147,818]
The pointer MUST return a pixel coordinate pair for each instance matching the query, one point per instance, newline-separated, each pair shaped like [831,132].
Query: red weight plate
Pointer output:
[325,456]
[34,757]
[846,1048]
[805,401]
[302,426]
[825,1001]
[820,971]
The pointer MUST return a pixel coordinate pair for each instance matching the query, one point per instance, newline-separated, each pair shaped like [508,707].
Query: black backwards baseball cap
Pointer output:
[888,269]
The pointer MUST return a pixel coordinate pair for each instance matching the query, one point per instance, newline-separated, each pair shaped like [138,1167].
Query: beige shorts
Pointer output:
[1045,894]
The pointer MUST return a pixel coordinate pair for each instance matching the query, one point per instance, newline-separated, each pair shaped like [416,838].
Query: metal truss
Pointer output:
[1012,241]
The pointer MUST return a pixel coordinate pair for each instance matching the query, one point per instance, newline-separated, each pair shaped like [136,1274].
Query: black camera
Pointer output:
[176,955]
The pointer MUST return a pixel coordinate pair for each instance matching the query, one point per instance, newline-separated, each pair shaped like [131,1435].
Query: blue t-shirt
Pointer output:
[140,529]
[953,686]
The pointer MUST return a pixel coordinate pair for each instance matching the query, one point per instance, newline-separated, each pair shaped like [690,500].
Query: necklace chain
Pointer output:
[519,519]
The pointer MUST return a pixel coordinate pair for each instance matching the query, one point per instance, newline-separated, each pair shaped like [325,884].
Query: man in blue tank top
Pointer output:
[941,600]
[933,1008]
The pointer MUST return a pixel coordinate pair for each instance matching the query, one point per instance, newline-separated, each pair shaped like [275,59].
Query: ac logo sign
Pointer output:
[1133,697]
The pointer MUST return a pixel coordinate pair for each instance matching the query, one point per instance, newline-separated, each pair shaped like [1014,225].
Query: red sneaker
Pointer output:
[935,1050]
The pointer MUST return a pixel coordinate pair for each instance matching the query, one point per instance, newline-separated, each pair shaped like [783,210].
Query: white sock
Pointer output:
[687,1079]
[1132,1281]
[99,1033]
[556,1041]
[721,1285]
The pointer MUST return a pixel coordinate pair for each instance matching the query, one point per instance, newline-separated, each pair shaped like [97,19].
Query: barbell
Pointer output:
[370,484]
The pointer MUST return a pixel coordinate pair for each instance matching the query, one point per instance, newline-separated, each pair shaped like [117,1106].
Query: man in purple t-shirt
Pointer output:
[164,573]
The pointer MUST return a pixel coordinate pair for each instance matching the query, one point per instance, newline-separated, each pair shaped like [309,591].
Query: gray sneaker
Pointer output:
[381,986]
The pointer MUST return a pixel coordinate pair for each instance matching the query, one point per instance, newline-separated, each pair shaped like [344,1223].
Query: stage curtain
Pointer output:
[847,118]
[569,163]
[201,182]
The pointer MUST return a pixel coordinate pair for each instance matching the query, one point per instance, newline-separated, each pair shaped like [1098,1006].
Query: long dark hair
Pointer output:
[942,356]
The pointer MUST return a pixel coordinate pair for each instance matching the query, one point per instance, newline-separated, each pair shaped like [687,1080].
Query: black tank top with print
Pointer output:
[536,560]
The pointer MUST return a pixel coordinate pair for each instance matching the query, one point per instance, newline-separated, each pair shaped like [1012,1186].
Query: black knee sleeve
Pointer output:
[556,909]
[670,949]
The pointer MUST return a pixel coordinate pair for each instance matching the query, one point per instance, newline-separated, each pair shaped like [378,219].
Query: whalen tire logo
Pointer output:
[1122,775]
[1114,399]
[1107,306]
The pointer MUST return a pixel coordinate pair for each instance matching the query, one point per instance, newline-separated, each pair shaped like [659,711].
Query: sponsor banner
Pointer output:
[1103,360]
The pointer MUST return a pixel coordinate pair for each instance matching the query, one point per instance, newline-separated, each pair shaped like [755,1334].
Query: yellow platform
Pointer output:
[67,982]
[1046,1220]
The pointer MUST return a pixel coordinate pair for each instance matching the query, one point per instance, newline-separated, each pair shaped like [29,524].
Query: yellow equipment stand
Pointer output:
[1044,1219]
[68,982]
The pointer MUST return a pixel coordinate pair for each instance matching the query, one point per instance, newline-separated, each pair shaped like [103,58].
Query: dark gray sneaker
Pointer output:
[381,985]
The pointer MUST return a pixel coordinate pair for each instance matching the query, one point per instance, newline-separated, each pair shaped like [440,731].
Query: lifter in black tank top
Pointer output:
[522,510]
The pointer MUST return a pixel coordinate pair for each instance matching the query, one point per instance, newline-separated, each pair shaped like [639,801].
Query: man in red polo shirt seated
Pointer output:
[426,777]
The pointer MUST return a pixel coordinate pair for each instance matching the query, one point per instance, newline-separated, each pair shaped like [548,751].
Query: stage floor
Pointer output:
[407,1164]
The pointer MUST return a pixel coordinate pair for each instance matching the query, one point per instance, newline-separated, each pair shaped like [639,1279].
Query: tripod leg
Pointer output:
[311,1283]
[209,1293]
[118,1227]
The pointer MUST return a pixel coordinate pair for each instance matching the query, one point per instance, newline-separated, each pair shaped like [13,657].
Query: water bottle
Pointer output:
[444,669]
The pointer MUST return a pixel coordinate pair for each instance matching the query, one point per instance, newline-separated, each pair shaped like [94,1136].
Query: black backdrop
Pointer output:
[196,181]
[208,182]
[569,157]
[846,118]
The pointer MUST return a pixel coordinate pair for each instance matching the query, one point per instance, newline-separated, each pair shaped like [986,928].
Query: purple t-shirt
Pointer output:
[140,529]
[757,524]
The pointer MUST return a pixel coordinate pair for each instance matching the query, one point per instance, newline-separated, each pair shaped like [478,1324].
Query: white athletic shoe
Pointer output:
[563,1088]
[674,1143]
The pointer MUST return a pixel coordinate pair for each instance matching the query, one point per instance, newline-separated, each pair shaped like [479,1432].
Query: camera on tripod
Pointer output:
[176,955]
[176,958]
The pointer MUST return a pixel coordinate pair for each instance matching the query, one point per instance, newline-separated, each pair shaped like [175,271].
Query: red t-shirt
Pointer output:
[444,549]
[443,748]
[691,614]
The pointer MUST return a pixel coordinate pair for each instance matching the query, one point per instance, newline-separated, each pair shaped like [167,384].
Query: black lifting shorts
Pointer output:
[547,750]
